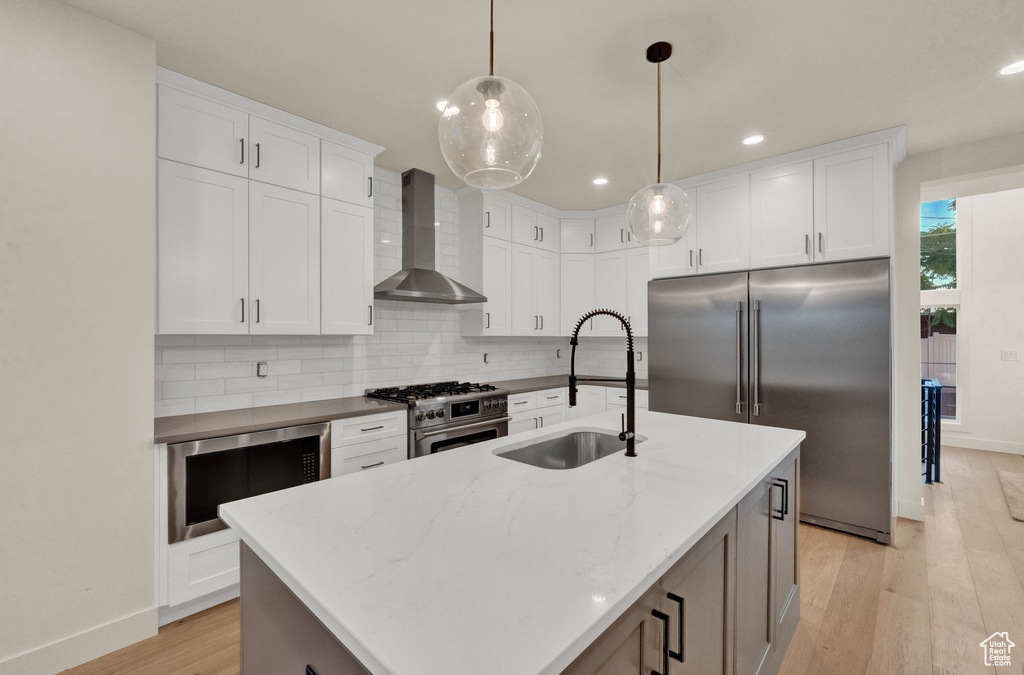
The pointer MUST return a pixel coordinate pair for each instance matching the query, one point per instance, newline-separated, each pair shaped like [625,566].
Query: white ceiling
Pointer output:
[800,72]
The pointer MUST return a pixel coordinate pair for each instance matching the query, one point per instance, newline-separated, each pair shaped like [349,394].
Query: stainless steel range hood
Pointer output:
[419,281]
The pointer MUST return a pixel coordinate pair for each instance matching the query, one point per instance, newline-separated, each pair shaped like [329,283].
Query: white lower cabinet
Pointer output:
[520,422]
[197,567]
[616,397]
[368,455]
[537,409]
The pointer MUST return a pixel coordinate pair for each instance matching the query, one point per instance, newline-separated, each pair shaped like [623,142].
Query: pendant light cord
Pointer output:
[659,119]
[492,39]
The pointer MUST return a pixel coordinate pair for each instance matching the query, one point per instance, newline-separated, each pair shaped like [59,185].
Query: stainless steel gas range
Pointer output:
[447,415]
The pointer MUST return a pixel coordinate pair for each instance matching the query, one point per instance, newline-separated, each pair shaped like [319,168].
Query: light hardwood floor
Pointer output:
[921,605]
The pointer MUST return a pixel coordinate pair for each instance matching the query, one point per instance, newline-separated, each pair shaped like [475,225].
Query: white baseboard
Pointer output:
[170,614]
[85,646]
[982,444]
[912,509]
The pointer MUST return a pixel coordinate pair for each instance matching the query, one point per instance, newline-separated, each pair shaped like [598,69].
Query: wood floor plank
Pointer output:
[902,637]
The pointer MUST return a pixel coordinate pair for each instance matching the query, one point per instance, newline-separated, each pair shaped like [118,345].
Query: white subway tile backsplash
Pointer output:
[209,371]
[188,388]
[228,402]
[179,371]
[245,385]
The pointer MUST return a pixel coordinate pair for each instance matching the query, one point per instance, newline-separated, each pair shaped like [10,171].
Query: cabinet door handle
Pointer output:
[257,155]
[780,515]
[700,257]
[535,425]
[542,234]
[591,240]
[370,466]
[639,356]
[310,671]
[552,397]
[371,314]
[785,495]
[379,426]
[520,403]
[536,233]
[243,310]
[663,617]
[807,245]
[536,322]
[257,310]
[542,322]
[691,257]
[488,214]
[488,315]
[622,236]
[821,243]
[242,141]
[371,187]
[679,656]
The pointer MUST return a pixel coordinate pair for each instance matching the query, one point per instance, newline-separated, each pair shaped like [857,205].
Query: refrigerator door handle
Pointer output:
[755,349]
[739,357]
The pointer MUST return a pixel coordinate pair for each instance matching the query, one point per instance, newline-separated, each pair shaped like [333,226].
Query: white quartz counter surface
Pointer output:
[465,562]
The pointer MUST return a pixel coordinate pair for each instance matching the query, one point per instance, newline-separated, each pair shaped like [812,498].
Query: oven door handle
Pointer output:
[488,423]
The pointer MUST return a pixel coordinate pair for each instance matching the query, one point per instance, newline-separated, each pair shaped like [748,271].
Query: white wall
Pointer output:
[994,223]
[950,164]
[412,342]
[76,323]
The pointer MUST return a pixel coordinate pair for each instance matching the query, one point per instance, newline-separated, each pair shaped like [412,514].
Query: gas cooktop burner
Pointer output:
[418,392]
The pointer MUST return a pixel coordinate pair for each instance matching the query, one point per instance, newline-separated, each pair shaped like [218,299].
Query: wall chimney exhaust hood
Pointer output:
[419,281]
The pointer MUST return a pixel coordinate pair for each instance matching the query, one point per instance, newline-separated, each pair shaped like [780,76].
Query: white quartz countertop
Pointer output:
[465,562]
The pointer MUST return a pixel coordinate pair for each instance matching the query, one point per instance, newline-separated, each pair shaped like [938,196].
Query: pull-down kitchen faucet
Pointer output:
[628,433]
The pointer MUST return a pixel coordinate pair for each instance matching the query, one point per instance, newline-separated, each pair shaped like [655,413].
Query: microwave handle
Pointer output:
[468,426]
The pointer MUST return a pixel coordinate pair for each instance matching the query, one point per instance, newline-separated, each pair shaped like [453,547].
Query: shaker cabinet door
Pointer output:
[577,235]
[282,156]
[577,291]
[497,216]
[754,629]
[610,291]
[852,204]
[497,287]
[202,251]
[723,225]
[195,131]
[782,216]
[346,261]
[284,261]
[525,320]
[546,294]
[347,174]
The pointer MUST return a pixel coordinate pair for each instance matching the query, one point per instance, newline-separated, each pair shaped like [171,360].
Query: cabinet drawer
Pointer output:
[552,397]
[196,567]
[371,455]
[617,396]
[368,428]
[518,403]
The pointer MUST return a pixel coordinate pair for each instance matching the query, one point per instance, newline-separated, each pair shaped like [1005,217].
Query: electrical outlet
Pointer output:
[261,369]
[1008,354]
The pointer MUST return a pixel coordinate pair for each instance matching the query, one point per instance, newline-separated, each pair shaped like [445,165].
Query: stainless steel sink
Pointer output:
[567,452]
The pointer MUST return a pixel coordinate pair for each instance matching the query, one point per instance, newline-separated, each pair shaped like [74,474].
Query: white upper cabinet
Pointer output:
[852,204]
[524,226]
[347,174]
[203,251]
[611,234]
[678,259]
[782,216]
[610,291]
[548,228]
[638,273]
[284,261]
[280,155]
[723,225]
[535,299]
[497,220]
[346,268]
[202,133]
[577,235]
[577,291]
[497,287]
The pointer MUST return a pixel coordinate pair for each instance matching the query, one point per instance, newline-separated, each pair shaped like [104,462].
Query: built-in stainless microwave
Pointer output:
[206,473]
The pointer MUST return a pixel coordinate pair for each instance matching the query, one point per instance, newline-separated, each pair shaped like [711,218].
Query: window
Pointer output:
[940,302]
[938,245]
[938,354]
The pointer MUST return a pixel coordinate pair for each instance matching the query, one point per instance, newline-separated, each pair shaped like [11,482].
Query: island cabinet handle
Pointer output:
[310,671]
[679,656]
[379,426]
[664,642]
[785,495]
[781,515]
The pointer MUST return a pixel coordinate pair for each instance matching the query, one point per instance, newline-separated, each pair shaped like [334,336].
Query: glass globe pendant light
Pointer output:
[659,214]
[490,130]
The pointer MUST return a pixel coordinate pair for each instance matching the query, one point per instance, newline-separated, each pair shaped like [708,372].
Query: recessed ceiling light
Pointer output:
[1013,68]
[600,181]
[753,140]
[441,105]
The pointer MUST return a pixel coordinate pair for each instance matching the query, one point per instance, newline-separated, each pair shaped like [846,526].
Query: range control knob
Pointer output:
[440,414]
[420,416]
[431,414]
[487,404]
[504,403]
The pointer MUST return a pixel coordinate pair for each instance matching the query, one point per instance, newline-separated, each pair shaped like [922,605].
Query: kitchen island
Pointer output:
[468,562]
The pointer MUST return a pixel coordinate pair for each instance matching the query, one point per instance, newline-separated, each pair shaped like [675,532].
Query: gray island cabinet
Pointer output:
[723,600]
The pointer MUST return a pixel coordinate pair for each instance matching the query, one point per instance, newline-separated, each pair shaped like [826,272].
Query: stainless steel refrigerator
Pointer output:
[800,347]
